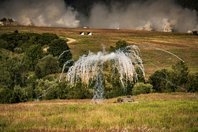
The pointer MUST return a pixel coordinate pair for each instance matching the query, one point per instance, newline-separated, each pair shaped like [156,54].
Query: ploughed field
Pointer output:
[185,46]
[152,112]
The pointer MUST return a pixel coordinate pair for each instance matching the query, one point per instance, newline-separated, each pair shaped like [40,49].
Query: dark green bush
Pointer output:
[46,38]
[47,65]
[121,44]
[161,81]
[142,88]
[79,91]
[180,76]
[192,83]
[176,79]
[19,95]
[5,95]
[32,56]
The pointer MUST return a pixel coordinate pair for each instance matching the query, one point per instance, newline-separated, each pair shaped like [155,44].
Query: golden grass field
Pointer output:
[173,112]
[156,112]
[183,45]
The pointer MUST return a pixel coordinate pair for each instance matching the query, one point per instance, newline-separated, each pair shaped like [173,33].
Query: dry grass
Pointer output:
[152,112]
[183,45]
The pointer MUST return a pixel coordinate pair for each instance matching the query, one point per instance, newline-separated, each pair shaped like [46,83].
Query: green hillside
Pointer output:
[183,45]
[32,59]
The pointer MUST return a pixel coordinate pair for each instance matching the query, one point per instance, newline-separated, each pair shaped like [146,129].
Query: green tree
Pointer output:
[32,55]
[121,44]
[5,95]
[161,81]
[46,89]
[12,72]
[79,91]
[19,95]
[59,47]
[192,83]
[47,65]
[180,75]
[46,38]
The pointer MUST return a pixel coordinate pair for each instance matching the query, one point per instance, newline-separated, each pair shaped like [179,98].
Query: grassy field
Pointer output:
[183,45]
[176,112]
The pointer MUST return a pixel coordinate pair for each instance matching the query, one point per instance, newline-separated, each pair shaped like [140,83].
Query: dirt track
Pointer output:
[71,40]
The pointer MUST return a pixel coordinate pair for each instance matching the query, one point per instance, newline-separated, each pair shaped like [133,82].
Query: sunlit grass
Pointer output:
[153,112]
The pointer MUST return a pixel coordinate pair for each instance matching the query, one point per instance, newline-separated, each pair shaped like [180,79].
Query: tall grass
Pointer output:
[153,112]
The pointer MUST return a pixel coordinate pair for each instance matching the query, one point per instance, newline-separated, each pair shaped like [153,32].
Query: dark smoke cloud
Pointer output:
[40,12]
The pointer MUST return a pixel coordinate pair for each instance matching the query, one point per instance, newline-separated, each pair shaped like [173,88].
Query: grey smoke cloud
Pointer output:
[40,12]
[160,15]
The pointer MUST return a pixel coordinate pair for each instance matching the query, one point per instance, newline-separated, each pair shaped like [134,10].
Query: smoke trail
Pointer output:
[160,15]
[170,53]
[40,12]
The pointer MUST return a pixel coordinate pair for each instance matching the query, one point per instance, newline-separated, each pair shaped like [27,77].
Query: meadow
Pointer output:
[155,112]
[152,112]
[183,45]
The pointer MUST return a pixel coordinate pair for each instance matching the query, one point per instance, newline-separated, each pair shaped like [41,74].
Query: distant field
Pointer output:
[183,45]
[176,112]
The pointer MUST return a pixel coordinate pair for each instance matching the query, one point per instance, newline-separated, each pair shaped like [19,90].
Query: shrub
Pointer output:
[192,84]
[161,81]
[63,90]
[180,76]
[46,89]
[47,38]
[4,44]
[19,95]
[121,44]
[32,55]
[59,48]
[141,88]
[79,91]
[5,95]
[46,65]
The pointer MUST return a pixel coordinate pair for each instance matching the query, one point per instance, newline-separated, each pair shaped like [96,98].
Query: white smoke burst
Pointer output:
[40,13]
[91,68]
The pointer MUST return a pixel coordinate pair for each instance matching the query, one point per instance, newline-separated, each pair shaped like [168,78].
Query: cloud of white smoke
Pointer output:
[40,12]
[160,15]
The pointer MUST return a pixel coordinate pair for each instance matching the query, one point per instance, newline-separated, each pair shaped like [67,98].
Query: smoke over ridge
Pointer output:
[159,15]
[151,15]
[40,12]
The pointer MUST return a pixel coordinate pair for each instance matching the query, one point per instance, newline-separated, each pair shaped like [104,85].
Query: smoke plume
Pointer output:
[160,15]
[150,15]
[40,12]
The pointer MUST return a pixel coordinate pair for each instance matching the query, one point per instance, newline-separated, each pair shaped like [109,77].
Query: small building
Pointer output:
[82,33]
[89,34]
